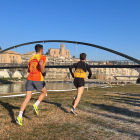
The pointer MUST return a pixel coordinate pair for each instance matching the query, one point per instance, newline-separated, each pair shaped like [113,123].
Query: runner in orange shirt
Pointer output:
[35,81]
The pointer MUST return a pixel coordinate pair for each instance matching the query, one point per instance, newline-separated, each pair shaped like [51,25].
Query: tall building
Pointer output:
[59,52]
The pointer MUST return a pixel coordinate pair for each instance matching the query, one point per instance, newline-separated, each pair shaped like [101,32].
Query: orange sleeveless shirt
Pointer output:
[34,69]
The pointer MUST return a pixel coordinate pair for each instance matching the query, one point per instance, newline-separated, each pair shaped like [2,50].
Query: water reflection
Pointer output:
[11,88]
[20,87]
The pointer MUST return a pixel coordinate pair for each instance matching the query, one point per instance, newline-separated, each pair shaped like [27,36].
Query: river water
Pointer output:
[20,87]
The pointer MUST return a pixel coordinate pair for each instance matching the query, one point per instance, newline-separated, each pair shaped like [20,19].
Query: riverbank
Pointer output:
[103,113]
[93,81]
[96,81]
[12,80]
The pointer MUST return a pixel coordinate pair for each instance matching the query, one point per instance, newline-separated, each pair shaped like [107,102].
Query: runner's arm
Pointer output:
[70,69]
[89,70]
[43,62]
[41,66]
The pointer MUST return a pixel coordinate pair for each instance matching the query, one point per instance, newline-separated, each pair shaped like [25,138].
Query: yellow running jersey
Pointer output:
[80,70]
[79,73]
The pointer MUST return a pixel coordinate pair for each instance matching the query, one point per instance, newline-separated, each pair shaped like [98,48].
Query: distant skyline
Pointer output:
[111,24]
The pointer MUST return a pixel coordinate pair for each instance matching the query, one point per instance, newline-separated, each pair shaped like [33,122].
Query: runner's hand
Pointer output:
[89,77]
[44,74]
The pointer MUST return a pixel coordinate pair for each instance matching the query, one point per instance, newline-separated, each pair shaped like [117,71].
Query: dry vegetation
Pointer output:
[103,114]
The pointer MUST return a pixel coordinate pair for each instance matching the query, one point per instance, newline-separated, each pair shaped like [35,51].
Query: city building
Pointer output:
[10,57]
[25,57]
[59,52]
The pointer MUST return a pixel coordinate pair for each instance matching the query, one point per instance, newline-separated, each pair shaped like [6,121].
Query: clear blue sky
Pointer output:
[114,24]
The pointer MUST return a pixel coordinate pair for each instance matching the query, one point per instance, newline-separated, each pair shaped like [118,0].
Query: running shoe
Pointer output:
[73,111]
[19,121]
[35,109]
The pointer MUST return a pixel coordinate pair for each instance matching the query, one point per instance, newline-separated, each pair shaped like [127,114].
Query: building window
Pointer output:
[10,56]
[13,57]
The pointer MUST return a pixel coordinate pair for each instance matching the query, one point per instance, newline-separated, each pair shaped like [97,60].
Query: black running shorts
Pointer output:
[79,82]
[32,85]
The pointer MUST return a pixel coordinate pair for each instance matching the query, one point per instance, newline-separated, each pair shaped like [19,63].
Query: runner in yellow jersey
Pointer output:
[35,81]
[79,75]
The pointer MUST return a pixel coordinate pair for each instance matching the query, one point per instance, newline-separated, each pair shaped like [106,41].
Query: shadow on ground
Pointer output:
[124,99]
[117,110]
[10,108]
[54,103]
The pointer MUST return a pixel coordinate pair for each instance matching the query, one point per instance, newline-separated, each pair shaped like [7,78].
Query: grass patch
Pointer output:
[15,79]
[109,113]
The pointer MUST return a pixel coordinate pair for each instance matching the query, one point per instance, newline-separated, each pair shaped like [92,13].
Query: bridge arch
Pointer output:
[76,42]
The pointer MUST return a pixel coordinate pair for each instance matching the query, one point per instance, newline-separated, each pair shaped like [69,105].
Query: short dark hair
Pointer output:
[38,47]
[82,56]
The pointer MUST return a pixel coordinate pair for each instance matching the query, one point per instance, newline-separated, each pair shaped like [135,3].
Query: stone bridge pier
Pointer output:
[14,73]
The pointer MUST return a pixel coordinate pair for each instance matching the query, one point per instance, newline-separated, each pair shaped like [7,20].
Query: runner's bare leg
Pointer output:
[26,100]
[43,94]
[79,94]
